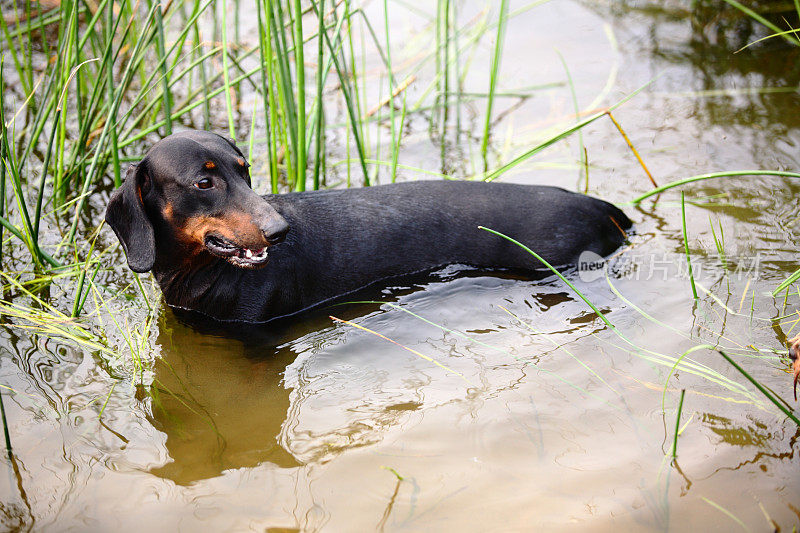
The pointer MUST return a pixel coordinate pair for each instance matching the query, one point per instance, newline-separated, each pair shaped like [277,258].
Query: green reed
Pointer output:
[686,246]
[677,426]
[790,36]
[495,69]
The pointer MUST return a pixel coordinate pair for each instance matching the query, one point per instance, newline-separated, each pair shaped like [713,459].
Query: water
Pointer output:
[505,403]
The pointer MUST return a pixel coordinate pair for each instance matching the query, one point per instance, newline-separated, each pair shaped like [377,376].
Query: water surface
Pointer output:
[533,413]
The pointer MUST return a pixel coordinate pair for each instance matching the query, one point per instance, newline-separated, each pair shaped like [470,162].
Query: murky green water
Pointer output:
[537,416]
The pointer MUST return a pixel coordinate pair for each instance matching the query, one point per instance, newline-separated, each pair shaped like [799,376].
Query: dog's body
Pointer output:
[187,212]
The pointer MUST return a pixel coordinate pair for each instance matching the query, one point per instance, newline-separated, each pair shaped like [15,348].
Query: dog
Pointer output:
[187,213]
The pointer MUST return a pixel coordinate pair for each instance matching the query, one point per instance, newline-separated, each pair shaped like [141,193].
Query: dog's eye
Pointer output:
[205,183]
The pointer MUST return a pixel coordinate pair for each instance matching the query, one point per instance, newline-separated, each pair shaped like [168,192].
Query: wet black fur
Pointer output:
[338,240]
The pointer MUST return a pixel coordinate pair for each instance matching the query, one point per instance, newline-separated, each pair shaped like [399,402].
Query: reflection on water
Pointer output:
[221,397]
[711,78]
[221,403]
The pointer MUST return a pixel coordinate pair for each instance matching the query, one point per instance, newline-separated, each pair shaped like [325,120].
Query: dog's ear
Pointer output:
[126,216]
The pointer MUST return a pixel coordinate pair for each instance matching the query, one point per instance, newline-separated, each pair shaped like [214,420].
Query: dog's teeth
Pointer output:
[248,253]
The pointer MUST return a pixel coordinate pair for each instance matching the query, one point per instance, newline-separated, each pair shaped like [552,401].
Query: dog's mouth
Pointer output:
[239,256]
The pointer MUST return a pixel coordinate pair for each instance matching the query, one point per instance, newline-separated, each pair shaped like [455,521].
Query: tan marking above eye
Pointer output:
[240,161]
[210,165]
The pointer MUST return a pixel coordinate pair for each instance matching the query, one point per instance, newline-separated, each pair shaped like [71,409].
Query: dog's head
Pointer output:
[192,190]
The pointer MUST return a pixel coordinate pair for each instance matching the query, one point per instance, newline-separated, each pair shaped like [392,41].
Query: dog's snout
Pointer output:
[276,232]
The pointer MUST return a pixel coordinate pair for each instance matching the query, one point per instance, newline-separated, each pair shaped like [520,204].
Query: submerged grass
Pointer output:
[681,362]
[412,350]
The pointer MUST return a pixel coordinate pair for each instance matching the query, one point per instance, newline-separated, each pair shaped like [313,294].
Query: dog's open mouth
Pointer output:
[236,255]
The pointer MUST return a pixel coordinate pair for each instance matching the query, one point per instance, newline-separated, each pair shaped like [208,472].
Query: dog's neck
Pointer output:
[194,279]
[193,282]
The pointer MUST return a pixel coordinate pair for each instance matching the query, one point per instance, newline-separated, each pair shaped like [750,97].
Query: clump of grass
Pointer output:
[149,74]
[719,243]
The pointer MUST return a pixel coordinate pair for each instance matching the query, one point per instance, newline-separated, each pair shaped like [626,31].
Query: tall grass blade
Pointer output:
[352,109]
[395,139]
[396,147]
[686,246]
[582,156]
[714,175]
[320,132]
[226,72]
[496,173]
[9,450]
[493,73]
[2,156]
[724,511]
[110,27]
[788,281]
[677,426]
[632,149]
[12,171]
[300,179]
[554,271]
[780,404]
[165,93]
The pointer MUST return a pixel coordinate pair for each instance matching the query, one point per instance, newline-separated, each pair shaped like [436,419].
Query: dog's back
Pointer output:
[342,240]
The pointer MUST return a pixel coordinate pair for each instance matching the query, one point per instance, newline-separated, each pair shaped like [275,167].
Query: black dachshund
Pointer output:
[187,213]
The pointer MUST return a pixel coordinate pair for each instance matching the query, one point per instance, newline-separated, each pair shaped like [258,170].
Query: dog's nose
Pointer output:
[276,232]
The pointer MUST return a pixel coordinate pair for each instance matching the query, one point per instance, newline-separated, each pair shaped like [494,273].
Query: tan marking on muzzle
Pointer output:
[236,227]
